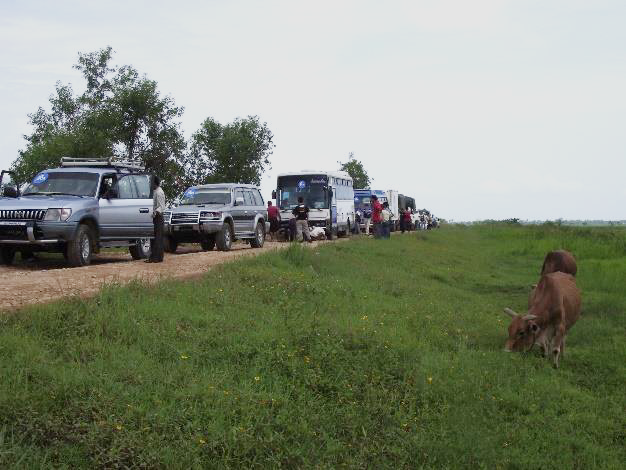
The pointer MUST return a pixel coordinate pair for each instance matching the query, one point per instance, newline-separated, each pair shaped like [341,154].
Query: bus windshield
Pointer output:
[312,188]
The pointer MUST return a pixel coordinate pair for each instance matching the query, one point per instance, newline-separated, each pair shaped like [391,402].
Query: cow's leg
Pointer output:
[557,343]
[563,346]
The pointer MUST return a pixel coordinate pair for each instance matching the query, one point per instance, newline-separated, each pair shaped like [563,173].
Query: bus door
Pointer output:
[333,207]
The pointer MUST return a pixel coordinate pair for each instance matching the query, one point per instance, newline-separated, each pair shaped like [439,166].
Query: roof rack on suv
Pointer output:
[111,162]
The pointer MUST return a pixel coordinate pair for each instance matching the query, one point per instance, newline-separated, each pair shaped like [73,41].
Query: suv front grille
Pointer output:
[26,214]
[185,218]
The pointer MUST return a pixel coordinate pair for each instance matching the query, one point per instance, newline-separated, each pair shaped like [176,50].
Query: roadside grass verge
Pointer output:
[371,353]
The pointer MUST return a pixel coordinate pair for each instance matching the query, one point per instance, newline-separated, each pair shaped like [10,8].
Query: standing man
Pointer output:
[406,217]
[273,214]
[367,216]
[158,207]
[377,210]
[301,213]
[386,221]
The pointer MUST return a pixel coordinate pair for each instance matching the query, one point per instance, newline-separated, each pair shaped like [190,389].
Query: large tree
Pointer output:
[237,152]
[355,169]
[120,113]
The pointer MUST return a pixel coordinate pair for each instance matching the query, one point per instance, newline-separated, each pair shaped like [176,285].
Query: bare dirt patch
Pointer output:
[48,278]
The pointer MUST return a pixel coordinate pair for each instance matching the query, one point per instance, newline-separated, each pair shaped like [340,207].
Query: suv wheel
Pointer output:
[224,238]
[141,249]
[79,250]
[208,243]
[170,244]
[259,236]
[7,255]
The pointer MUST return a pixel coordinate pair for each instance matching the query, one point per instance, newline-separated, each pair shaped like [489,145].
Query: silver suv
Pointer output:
[85,205]
[216,215]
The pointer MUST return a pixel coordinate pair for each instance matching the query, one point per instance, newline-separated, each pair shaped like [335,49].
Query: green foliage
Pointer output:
[355,169]
[237,152]
[367,353]
[119,113]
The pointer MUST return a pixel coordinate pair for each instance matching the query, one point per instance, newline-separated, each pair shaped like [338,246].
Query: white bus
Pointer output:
[329,195]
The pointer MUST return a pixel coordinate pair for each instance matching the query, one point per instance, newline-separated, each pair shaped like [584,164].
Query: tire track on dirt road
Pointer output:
[48,278]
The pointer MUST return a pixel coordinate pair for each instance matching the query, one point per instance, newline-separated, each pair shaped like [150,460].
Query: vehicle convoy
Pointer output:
[77,209]
[329,196]
[216,215]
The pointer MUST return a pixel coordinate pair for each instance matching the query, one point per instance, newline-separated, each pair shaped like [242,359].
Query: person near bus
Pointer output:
[301,213]
[273,214]
[377,209]
[386,216]
[405,222]
[367,217]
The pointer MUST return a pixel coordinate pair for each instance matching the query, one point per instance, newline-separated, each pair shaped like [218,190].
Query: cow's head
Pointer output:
[523,331]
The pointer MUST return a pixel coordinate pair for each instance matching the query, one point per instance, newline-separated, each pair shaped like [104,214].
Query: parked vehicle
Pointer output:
[329,195]
[77,209]
[216,215]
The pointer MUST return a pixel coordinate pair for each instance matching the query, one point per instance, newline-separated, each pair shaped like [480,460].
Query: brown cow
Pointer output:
[555,307]
[554,261]
[559,260]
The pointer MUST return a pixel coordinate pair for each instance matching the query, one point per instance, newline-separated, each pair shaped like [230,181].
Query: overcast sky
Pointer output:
[477,109]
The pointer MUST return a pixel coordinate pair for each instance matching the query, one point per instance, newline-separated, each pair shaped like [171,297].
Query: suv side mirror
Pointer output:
[239,201]
[10,191]
[330,192]
[273,194]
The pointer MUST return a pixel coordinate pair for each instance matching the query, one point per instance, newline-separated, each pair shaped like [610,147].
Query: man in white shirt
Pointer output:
[158,203]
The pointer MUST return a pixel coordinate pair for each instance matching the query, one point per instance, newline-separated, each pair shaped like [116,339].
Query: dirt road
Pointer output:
[48,278]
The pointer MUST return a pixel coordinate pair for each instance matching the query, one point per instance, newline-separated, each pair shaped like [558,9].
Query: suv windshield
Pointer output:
[217,196]
[312,188]
[64,183]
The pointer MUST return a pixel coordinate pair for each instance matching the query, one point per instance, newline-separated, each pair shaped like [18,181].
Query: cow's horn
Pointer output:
[530,316]
[510,312]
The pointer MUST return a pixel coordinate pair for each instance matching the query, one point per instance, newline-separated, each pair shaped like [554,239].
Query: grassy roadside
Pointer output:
[368,353]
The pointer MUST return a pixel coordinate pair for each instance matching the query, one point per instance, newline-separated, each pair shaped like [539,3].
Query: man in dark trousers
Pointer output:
[273,214]
[377,220]
[301,213]
[158,203]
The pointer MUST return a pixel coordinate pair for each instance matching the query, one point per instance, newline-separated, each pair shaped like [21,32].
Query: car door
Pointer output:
[119,213]
[249,211]
[143,188]
[239,212]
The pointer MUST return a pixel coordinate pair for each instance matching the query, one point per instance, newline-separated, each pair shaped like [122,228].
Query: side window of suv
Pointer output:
[125,188]
[108,181]
[239,194]
[258,199]
[142,183]
[248,198]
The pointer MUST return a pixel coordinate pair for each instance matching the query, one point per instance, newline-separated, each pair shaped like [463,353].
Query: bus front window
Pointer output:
[313,189]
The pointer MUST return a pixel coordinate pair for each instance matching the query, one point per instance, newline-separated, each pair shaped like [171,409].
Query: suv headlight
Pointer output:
[58,215]
[210,215]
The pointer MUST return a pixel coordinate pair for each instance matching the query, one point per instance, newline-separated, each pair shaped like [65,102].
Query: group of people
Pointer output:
[298,226]
[380,218]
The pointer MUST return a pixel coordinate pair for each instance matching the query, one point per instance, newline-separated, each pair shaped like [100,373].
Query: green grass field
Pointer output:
[368,353]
